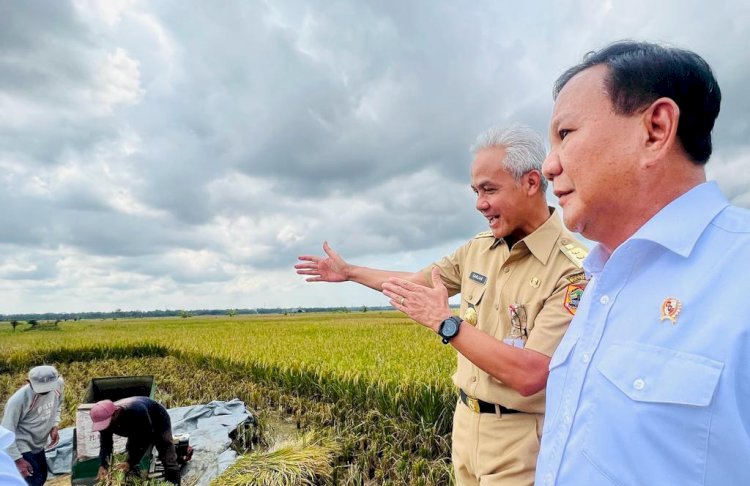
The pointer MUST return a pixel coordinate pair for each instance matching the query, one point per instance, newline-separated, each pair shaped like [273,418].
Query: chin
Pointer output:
[499,232]
[572,221]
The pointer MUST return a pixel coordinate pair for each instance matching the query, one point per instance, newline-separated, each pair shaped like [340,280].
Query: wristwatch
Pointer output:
[449,328]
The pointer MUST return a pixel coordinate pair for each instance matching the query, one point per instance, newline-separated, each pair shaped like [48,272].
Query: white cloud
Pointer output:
[109,12]
[182,154]
[118,81]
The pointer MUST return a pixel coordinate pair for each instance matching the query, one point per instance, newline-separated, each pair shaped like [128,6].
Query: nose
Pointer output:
[551,167]
[482,203]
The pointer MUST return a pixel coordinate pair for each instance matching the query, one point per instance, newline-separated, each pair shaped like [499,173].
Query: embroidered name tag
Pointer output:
[478,278]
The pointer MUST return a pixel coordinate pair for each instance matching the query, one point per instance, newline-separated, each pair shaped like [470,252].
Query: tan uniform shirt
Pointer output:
[541,277]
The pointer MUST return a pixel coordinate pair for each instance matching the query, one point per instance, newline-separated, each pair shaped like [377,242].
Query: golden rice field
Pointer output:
[375,387]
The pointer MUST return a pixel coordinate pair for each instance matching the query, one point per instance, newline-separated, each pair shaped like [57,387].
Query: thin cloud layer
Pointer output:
[182,154]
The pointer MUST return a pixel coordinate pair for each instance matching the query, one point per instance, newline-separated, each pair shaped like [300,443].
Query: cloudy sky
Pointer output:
[181,154]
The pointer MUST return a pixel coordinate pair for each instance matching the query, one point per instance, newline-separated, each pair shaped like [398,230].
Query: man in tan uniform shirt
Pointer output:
[520,284]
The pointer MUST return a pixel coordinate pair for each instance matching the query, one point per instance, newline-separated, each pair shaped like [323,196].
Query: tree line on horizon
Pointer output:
[136,314]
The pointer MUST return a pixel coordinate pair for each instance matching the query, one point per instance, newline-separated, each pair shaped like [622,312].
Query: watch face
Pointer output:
[449,327]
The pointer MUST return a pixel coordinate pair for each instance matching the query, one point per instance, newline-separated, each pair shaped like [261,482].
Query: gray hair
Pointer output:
[524,149]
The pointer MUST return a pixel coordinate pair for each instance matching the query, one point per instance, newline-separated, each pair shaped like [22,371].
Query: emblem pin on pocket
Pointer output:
[670,308]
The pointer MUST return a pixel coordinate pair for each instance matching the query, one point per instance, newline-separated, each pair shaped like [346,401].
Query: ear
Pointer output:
[660,121]
[532,182]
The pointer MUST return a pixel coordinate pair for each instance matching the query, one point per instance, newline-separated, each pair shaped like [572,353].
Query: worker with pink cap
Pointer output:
[145,423]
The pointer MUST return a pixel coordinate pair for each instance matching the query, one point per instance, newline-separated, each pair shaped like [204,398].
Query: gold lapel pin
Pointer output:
[670,308]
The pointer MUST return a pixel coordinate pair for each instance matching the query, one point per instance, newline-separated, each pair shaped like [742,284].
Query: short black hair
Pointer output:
[640,73]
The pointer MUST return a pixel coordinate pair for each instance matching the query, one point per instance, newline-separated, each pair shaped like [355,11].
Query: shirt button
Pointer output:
[585,357]
[604,299]
[506,269]
[566,420]
[473,379]
[497,307]
[639,384]
[548,479]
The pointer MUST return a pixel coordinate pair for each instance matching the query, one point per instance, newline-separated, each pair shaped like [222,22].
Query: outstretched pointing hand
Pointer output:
[330,269]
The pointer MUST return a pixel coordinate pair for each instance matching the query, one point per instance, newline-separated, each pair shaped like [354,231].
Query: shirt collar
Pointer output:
[676,227]
[680,223]
[542,241]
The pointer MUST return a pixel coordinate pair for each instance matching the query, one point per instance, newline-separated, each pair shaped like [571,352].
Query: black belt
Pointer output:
[480,406]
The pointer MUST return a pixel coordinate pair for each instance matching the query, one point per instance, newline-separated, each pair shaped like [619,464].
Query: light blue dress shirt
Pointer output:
[636,399]
[9,475]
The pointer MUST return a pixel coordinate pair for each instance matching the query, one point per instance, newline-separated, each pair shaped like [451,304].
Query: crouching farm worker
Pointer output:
[145,423]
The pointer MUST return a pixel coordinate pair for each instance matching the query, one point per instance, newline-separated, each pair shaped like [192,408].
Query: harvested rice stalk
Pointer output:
[304,462]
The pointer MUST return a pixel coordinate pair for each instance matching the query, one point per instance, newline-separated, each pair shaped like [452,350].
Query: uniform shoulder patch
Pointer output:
[572,298]
[484,234]
[575,253]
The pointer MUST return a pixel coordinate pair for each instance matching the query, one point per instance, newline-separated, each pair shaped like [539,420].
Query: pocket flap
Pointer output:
[563,350]
[661,375]
[472,292]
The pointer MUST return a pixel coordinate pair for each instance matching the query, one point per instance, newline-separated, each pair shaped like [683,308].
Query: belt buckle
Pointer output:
[473,404]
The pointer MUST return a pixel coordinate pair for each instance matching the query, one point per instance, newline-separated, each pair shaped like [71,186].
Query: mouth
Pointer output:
[492,220]
[562,196]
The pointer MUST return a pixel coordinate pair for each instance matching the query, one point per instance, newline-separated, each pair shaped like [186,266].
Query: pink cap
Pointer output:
[101,414]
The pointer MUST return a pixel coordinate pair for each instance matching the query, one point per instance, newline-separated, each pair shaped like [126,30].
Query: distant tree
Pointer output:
[14,323]
[232,312]
[33,322]
[364,308]
[185,314]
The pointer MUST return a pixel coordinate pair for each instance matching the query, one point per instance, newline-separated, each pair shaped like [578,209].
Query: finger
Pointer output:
[329,251]
[308,271]
[404,284]
[396,303]
[309,258]
[393,291]
[390,293]
[437,282]
[314,279]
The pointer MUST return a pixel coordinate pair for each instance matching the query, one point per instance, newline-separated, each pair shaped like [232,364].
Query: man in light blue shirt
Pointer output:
[9,475]
[651,383]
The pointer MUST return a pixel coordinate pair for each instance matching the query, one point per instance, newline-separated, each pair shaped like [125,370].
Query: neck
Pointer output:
[650,197]
[538,214]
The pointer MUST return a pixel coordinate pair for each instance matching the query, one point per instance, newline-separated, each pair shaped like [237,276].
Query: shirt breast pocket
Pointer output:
[471,293]
[652,406]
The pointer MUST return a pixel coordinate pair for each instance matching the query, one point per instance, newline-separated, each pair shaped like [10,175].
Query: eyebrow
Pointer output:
[483,185]
[555,122]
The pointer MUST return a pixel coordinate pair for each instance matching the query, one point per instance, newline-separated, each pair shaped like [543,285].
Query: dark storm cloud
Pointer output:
[327,104]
